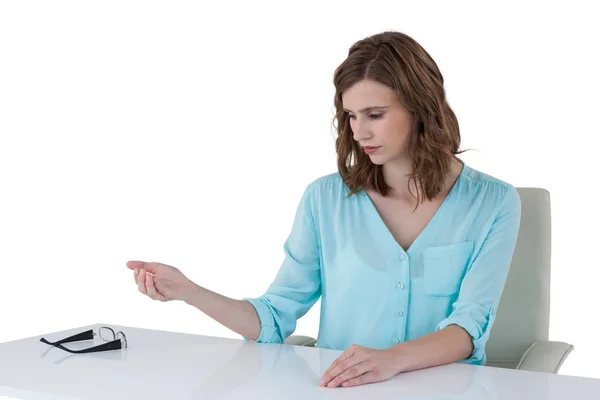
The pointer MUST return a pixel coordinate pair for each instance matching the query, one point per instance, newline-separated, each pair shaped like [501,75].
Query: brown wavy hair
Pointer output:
[398,61]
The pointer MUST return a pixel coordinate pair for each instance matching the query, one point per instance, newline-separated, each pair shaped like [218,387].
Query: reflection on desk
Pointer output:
[167,365]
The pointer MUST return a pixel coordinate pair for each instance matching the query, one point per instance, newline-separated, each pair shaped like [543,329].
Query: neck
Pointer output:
[396,176]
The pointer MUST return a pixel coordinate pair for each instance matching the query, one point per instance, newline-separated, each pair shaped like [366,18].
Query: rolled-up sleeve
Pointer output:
[297,286]
[483,284]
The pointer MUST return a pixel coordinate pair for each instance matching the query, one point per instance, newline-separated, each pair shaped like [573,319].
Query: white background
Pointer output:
[185,133]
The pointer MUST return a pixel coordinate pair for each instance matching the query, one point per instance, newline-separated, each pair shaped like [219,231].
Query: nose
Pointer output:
[360,130]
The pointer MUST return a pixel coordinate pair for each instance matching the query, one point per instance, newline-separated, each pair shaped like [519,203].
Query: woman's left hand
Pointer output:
[360,365]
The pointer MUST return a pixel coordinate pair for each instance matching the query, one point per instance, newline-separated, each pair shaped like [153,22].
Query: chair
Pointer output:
[519,337]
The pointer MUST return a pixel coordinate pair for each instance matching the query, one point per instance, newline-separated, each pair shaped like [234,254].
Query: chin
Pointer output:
[378,160]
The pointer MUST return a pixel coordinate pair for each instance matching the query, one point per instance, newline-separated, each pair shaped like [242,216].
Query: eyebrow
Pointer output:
[369,108]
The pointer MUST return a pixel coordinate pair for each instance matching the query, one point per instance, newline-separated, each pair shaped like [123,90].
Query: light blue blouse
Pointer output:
[375,294]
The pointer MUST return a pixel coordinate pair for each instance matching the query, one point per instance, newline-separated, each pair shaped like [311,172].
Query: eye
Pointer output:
[372,116]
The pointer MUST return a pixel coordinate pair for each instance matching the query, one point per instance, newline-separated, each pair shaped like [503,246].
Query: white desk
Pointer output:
[167,365]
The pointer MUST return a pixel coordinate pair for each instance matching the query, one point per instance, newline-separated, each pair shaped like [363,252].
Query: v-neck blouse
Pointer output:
[375,294]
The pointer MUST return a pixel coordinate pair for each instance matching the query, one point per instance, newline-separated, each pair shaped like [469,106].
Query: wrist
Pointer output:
[400,356]
[190,293]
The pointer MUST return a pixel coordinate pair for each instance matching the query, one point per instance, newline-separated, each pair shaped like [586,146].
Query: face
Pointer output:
[380,123]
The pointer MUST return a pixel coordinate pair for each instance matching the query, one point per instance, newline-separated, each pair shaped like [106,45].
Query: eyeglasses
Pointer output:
[116,341]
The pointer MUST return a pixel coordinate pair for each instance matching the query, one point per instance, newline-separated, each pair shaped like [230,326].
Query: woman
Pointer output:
[408,247]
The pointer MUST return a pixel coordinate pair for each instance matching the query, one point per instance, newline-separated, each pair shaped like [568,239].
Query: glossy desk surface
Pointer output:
[168,365]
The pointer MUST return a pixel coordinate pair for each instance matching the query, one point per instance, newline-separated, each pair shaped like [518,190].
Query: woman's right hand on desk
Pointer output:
[160,281]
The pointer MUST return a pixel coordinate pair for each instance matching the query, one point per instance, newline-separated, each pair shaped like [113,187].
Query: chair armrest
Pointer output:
[299,340]
[545,357]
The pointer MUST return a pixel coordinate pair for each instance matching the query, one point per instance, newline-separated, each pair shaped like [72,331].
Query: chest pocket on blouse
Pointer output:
[445,267]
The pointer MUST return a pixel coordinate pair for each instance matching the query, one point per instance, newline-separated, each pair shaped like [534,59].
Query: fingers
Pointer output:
[343,362]
[141,281]
[143,274]
[145,283]
[352,374]
[368,377]
[148,266]
[151,289]
[135,264]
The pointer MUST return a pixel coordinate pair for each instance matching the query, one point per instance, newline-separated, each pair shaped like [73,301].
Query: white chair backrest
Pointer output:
[524,310]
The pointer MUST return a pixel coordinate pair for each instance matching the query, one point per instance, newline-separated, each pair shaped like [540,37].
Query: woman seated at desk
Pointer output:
[407,246]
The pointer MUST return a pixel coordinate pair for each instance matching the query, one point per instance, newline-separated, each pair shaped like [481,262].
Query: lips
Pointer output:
[370,149]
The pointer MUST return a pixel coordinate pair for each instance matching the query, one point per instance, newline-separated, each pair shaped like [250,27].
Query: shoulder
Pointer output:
[330,185]
[324,193]
[333,178]
[495,192]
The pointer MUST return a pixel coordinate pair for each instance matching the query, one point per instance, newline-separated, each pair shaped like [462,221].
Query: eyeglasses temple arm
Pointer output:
[87,335]
[114,345]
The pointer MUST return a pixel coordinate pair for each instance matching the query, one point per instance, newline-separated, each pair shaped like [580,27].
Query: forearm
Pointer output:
[446,346]
[237,315]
